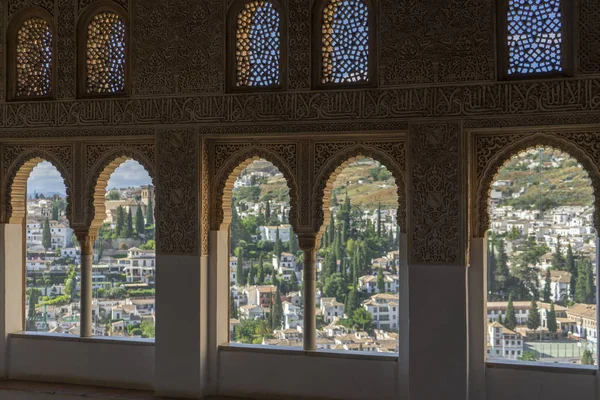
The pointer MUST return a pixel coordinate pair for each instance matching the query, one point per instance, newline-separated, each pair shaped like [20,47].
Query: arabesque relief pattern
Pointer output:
[16,5]
[435,201]
[493,150]
[67,50]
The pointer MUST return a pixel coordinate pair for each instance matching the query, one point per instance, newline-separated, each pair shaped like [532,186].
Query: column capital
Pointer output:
[86,239]
[307,242]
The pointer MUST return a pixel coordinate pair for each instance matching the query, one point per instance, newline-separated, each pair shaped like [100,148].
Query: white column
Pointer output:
[86,241]
[12,284]
[308,245]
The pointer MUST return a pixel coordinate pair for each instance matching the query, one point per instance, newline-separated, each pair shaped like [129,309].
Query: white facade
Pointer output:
[384,309]
[269,233]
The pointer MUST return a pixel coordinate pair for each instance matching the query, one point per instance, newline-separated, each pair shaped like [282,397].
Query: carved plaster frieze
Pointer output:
[435,222]
[67,50]
[492,99]
[82,4]
[16,5]
[177,192]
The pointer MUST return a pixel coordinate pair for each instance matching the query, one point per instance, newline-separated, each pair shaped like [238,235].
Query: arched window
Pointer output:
[31,55]
[346,42]
[103,52]
[535,37]
[258,42]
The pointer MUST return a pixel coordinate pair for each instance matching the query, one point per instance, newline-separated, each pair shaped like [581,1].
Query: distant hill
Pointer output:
[563,181]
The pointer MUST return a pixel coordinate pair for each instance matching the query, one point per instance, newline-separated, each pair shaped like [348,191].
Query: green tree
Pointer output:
[55,211]
[335,286]
[570,260]
[120,224]
[268,211]
[148,329]
[533,319]
[558,261]
[362,318]
[528,355]
[129,226]
[113,195]
[278,248]
[379,219]
[251,274]
[100,249]
[46,236]
[380,281]
[260,276]
[547,293]
[584,292]
[503,273]
[293,243]
[551,319]
[140,224]
[511,317]
[277,311]
[588,358]
[352,302]
[492,266]
[150,213]
[233,312]
[34,296]
[70,282]
[241,276]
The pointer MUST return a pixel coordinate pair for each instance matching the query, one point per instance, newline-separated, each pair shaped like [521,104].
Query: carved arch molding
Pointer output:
[85,168]
[492,150]
[309,166]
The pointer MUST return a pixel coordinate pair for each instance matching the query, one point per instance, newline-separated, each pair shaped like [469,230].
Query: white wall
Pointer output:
[289,376]
[96,362]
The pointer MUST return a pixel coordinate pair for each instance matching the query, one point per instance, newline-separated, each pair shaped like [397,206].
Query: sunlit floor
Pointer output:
[21,390]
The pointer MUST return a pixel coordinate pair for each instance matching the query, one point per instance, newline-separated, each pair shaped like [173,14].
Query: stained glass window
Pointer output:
[258,44]
[534,36]
[34,58]
[105,54]
[345,42]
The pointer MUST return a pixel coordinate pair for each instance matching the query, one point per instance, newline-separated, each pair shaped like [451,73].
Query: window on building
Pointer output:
[34,58]
[359,254]
[105,54]
[258,45]
[534,37]
[261,237]
[124,253]
[52,297]
[345,42]
[542,206]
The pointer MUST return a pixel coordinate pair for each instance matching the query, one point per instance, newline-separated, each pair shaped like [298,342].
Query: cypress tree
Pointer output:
[584,292]
[588,358]
[533,319]
[503,273]
[140,225]
[251,275]
[268,211]
[558,262]
[380,281]
[511,318]
[129,227]
[547,287]
[491,268]
[277,311]
[150,213]
[573,284]
[100,250]
[240,267]
[120,221]
[55,211]
[261,270]
[46,235]
[278,248]
[331,233]
[551,319]
[379,220]
[233,312]
[500,319]
[570,260]
[352,302]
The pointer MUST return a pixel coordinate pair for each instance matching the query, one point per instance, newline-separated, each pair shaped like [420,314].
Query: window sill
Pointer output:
[284,350]
[74,338]
[574,369]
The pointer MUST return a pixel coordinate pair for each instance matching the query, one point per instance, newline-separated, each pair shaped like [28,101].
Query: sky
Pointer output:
[46,179]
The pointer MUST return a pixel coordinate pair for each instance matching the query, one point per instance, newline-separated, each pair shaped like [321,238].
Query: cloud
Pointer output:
[129,174]
[46,179]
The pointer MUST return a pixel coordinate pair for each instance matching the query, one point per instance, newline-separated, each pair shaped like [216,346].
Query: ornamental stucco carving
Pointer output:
[16,5]
[177,195]
[588,36]
[436,41]
[67,51]
[435,227]
[494,150]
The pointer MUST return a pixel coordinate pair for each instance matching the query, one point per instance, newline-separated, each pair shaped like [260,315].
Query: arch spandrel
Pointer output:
[107,158]
[227,174]
[511,145]
[18,162]
[390,154]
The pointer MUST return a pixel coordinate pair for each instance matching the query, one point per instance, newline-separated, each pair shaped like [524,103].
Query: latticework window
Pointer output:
[105,53]
[258,45]
[534,36]
[345,42]
[34,58]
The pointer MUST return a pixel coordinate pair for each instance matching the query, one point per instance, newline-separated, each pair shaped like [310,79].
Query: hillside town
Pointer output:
[541,276]
[357,264]
[123,272]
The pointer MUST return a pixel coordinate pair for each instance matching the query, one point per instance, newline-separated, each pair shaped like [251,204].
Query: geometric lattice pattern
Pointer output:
[534,36]
[345,42]
[105,54]
[258,44]
[34,58]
